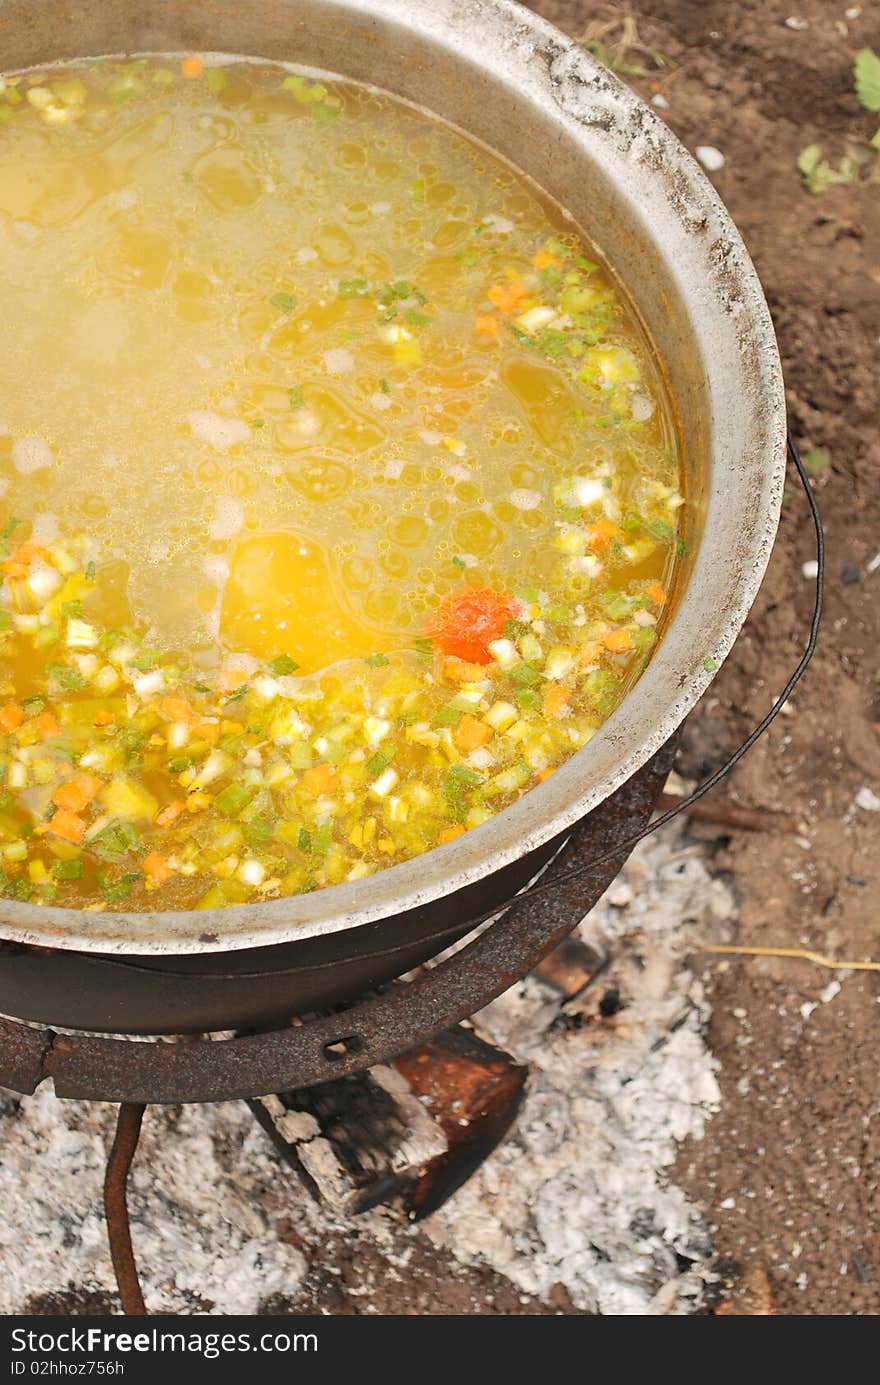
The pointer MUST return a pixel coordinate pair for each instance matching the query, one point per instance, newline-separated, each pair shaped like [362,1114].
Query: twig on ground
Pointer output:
[801,954]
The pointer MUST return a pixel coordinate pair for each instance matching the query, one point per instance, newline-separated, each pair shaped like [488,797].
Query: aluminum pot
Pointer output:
[503,75]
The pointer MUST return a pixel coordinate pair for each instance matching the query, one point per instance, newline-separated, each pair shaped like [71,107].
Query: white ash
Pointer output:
[579,1195]
[711,158]
[198,1200]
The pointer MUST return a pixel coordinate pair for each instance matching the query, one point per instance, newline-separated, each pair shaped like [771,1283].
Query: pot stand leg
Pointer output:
[128,1129]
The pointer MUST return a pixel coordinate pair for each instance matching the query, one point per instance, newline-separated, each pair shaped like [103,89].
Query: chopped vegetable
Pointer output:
[469,620]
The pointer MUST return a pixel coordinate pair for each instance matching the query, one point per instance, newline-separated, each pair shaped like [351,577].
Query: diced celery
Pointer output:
[504,652]
[233,800]
[501,715]
[559,662]
[509,779]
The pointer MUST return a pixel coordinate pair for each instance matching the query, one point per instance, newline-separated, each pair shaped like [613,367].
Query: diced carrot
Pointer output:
[460,671]
[543,774]
[602,532]
[156,868]
[555,701]
[656,593]
[470,733]
[320,779]
[67,825]
[544,260]
[175,708]
[26,553]
[618,641]
[17,564]
[11,716]
[505,297]
[77,793]
[192,67]
[207,731]
[469,620]
[449,834]
[104,718]
[591,652]
[47,726]
[488,326]
[171,813]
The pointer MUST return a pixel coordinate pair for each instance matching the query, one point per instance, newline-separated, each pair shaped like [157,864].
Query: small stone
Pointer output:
[850,575]
[810,570]
[867,800]
[711,158]
[659,100]
[620,894]
[793,22]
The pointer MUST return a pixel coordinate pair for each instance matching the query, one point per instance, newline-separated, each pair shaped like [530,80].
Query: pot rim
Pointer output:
[569,87]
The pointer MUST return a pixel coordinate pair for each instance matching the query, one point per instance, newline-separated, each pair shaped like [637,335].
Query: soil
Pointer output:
[788,1171]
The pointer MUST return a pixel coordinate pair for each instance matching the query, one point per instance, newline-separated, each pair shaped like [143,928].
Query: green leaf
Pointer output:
[709,664]
[258,831]
[234,799]
[818,459]
[296,397]
[285,302]
[121,889]
[353,288]
[808,159]
[376,660]
[67,870]
[661,530]
[525,676]
[866,70]
[116,839]
[376,764]
[283,665]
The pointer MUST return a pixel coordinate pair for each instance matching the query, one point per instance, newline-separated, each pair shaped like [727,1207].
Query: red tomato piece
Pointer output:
[469,620]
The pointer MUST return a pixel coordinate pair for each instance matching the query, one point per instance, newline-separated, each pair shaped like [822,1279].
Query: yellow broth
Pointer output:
[340,489]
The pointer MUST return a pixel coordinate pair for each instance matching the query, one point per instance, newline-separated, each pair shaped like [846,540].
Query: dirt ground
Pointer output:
[788,1171]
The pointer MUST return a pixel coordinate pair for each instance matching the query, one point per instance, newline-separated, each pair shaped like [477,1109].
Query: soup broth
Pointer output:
[340,491]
